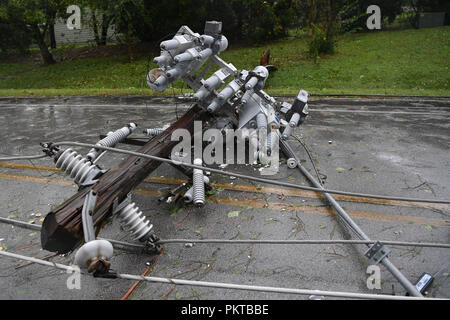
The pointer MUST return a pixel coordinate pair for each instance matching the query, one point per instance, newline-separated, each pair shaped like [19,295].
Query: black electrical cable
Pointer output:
[310,158]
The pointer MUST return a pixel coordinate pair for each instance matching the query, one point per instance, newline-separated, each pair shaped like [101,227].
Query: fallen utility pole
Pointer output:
[287,150]
[62,228]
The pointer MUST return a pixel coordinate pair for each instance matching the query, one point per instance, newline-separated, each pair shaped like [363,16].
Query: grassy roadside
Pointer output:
[404,62]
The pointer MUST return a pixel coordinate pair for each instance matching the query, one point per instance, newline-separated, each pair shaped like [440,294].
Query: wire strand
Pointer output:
[221,285]
[40,156]
[242,176]
[310,157]
[248,241]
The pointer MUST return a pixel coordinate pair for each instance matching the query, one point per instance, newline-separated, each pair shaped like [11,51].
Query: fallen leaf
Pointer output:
[429,228]
[31,221]
[38,214]
[233,214]
[340,170]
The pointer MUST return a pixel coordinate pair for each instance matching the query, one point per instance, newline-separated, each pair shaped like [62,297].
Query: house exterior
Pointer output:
[85,35]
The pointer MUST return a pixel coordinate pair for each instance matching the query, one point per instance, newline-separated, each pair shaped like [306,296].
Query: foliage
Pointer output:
[366,63]
[243,20]
[353,14]
[320,42]
[36,16]
[323,25]
[14,35]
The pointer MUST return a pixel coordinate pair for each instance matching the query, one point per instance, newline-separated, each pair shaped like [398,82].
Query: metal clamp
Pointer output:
[377,252]
[86,216]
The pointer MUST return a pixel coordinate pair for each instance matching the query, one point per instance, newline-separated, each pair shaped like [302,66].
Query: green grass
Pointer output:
[388,62]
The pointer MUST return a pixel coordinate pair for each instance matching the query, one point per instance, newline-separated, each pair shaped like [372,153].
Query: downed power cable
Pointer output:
[221,285]
[237,175]
[247,241]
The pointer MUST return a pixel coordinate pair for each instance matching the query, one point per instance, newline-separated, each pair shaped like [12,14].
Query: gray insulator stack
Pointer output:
[224,95]
[292,124]
[135,222]
[74,165]
[161,81]
[153,131]
[251,83]
[207,40]
[162,60]
[111,140]
[189,195]
[198,184]
[247,96]
[271,136]
[169,44]
[261,121]
[204,54]
[174,73]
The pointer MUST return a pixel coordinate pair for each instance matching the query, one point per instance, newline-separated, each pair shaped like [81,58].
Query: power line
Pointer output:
[237,175]
[40,156]
[228,173]
[221,285]
[248,241]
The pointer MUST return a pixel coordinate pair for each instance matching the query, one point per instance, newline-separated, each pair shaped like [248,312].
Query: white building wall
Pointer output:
[85,35]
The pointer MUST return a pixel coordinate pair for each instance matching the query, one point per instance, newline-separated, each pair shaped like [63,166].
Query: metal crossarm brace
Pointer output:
[377,252]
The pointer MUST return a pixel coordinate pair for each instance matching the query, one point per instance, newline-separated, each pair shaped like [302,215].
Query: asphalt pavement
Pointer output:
[379,146]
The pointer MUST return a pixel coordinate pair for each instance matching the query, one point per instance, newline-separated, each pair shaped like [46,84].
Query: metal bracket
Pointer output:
[92,178]
[152,244]
[86,216]
[109,274]
[119,206]
[377,252]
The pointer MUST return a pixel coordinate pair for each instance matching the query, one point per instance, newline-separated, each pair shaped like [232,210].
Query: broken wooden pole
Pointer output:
[62,228]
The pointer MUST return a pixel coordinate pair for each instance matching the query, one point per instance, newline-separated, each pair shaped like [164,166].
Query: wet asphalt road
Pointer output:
[390,147]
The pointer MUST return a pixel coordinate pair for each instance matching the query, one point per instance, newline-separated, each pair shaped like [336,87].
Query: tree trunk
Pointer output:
[128,41]
[52,36]
[95,28]
[105,26]
[46,55]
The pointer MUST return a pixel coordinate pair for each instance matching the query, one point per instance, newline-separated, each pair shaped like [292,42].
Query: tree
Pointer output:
[101,16]
[36,16]
[14,35]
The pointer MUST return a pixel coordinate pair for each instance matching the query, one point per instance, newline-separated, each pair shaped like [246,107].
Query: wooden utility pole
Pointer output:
[62,228]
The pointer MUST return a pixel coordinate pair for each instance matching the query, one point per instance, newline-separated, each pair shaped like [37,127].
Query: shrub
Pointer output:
[321,41]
